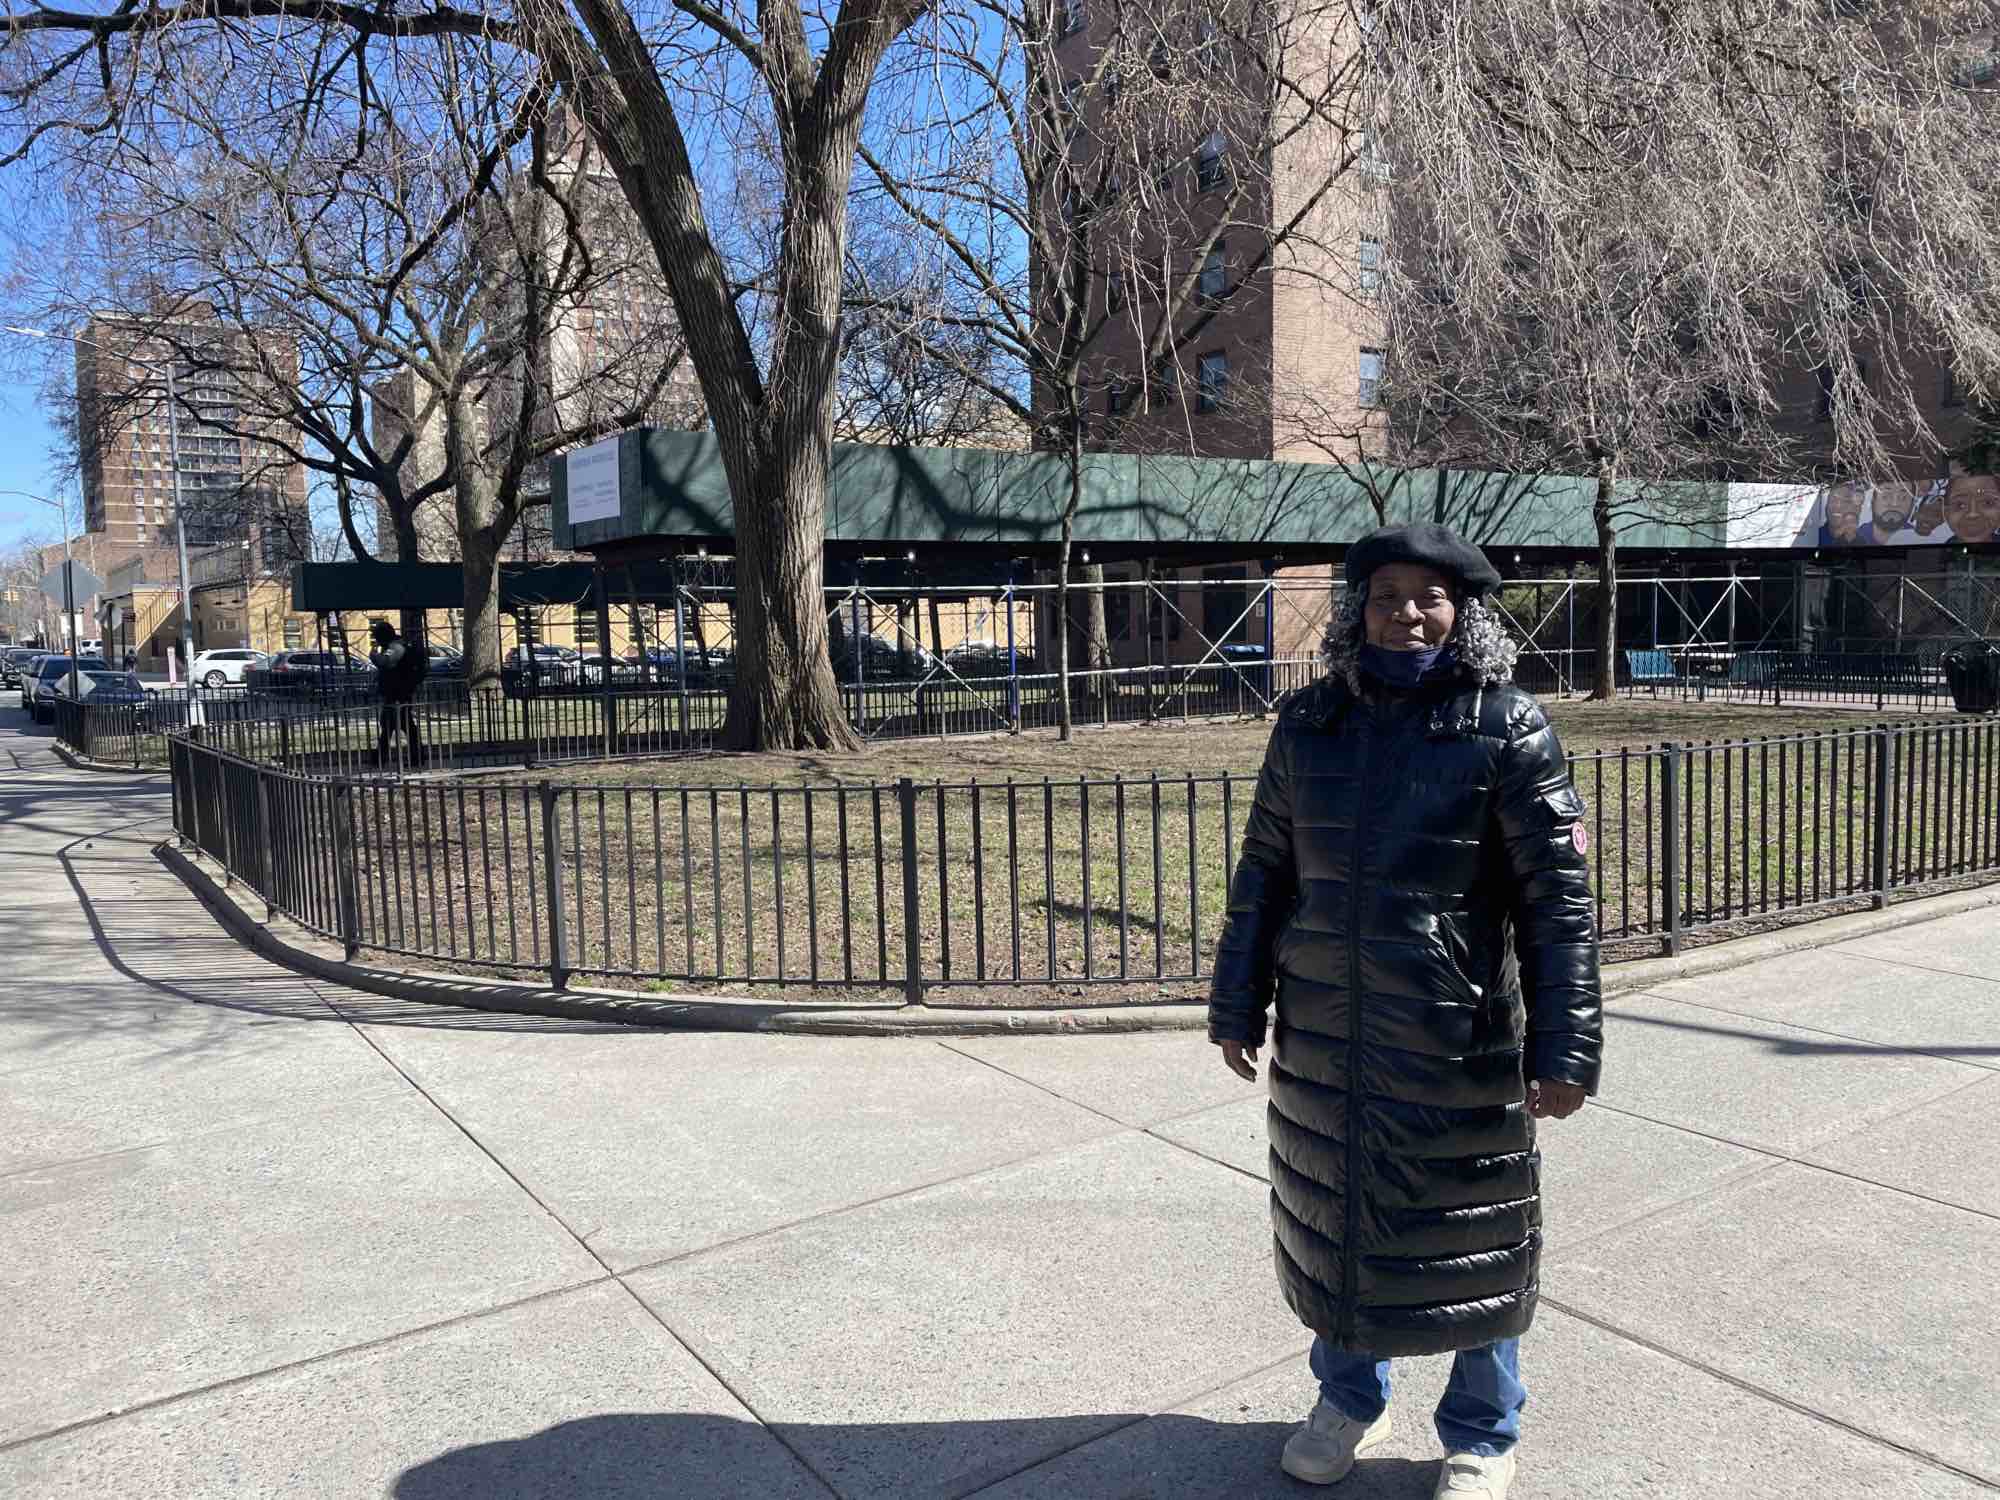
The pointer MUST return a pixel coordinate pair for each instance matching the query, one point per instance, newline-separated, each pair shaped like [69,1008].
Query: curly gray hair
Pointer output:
[1486,653]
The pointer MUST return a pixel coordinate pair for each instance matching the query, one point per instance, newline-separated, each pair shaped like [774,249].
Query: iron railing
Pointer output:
[1059,886]
[337,733]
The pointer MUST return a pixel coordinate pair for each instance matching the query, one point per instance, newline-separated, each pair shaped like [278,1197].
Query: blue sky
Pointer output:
[25,438]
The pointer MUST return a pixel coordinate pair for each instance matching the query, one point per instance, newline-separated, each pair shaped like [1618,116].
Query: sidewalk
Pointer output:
[261,1236]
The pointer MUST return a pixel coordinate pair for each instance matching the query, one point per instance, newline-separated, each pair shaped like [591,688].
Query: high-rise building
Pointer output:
[1289,359]
[1286,359]
[236,481]
[612,335]
[602,347]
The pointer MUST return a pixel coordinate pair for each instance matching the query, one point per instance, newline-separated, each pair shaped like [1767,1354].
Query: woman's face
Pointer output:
[1408,608]
[1972,506]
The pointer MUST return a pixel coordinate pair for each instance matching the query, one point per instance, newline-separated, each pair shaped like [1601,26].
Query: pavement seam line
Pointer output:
[683,1256]
[1053,1093]
[1726,1183]
[1813,1166]
[1857,955]
[1179,1403]
[584,1245]
[231,1382]
[1764,1393]
[1891,1048]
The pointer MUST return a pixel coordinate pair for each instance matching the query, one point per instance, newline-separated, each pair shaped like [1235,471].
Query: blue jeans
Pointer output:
[1480,1411]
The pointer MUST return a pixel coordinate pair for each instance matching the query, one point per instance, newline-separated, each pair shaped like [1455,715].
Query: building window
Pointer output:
[1209,171]
[1163,383]
[586,626]
[1214,279]
[1070,17]
[1207,44]
[1948,392]
[1070,107]
[294,634]
[1368,157]
[1117,396]
[1163,172]
[1370,388]
[1116,293]
[1370,257]
[1212,377]
[1225,604]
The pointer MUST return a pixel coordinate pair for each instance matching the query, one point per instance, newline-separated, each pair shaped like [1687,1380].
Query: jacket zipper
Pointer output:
[1350,1262]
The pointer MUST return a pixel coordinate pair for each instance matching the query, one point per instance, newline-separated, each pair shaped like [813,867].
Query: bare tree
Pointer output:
[1097,199]
[1682,242]
[416,311]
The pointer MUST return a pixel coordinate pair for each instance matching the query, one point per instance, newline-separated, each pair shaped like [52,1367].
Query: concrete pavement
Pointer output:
[262,1236]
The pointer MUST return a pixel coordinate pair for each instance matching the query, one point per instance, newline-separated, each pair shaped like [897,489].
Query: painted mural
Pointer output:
[1964,508]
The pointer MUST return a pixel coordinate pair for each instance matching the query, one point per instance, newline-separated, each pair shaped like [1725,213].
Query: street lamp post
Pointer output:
[69,581]
[174,457]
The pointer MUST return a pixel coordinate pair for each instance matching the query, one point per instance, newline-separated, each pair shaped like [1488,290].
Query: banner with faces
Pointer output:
[1964,508]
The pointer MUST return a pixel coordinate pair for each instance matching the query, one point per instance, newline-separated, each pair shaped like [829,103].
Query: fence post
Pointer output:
[346,885]
[552,874]
[285,743]
[1878,863]
[266,843]
[913,939]
[1670,847]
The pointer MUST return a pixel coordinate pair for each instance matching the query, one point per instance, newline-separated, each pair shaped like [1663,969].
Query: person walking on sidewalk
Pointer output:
[400,667]
[1413,895]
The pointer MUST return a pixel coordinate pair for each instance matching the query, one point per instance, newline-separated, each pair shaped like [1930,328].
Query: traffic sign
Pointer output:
[82,582]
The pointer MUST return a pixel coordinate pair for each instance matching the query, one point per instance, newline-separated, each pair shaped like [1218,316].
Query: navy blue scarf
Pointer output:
[1406,669]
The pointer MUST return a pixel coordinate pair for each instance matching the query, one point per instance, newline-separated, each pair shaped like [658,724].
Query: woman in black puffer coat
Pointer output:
[1413,895]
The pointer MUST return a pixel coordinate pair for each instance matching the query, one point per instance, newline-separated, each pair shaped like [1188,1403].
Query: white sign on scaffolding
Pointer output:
[593,489]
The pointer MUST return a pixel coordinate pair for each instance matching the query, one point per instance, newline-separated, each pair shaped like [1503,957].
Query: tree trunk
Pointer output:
[1065,720]
[1094,632]
[479,540]
[784,696]
[1604,685]
[779,458]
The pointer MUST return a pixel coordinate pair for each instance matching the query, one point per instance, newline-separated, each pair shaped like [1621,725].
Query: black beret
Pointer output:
[1427,544]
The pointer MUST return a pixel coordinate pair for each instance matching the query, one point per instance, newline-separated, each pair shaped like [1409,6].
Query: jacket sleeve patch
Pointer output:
[1563,805]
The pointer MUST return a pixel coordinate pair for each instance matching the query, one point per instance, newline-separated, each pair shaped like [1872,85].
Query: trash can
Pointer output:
[1973,672]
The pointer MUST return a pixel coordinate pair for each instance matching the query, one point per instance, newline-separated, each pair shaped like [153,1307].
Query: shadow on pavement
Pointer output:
[1796,1046]
[171,946]
[701,1456]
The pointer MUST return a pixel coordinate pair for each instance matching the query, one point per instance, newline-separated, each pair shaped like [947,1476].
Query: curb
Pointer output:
[77,762]
[732,1014]
[628,1007]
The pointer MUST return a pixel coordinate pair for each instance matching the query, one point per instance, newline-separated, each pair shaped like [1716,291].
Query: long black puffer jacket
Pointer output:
[1411,867]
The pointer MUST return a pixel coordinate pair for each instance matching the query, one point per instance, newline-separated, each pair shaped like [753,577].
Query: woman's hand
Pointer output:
[1240,1059]
[1554,1101]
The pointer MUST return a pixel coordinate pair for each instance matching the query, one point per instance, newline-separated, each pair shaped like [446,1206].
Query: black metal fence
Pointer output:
[337,732]
[1057,886]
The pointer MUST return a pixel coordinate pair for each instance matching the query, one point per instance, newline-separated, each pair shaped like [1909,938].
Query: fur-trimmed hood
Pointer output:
[1485,652]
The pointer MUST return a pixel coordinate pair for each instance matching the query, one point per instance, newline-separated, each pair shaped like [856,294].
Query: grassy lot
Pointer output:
[1108,878]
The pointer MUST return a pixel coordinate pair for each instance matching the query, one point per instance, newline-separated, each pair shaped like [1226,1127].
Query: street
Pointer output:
[261,1236]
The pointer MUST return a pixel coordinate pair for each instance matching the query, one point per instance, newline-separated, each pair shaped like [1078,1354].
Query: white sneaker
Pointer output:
[1322,1451]
[1467,1476]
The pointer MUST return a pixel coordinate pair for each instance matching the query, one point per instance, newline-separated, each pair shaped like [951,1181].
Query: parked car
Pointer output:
[554,666]
[309,671]
[592,669]
[225,667]
[98,689]
[446,661]
[14,661]
[39,694]
[880,660]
